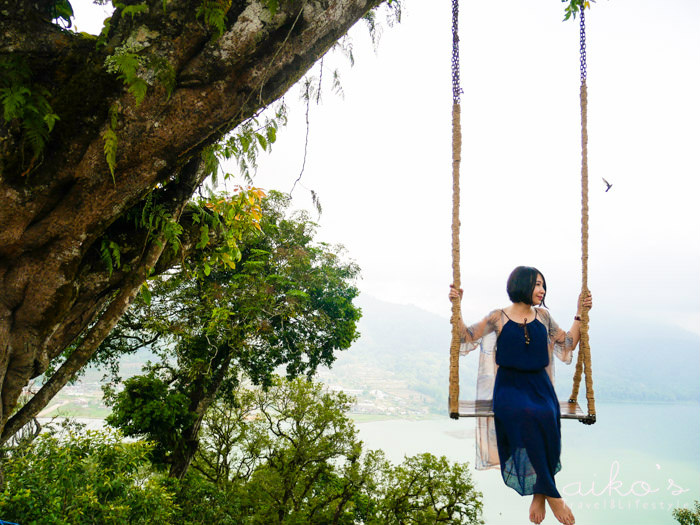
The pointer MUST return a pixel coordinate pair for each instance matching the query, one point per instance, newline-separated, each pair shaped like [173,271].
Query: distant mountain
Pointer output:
[400,364]
[405,350]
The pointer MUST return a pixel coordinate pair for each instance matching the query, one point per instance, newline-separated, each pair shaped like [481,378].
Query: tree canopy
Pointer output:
[288,302]
[289,455]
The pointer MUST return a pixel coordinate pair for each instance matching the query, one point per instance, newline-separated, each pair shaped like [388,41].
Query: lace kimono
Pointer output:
[484,335]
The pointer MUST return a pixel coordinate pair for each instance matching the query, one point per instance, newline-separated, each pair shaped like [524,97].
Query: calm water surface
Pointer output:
[632,467]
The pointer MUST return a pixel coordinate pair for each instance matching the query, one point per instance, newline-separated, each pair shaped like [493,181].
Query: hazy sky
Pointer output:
[380,158]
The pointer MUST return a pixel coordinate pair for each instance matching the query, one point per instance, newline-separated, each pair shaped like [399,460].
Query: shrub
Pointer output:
[83,478]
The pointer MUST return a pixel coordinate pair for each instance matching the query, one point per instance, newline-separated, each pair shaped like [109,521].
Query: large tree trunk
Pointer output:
[56,207]
[202,394]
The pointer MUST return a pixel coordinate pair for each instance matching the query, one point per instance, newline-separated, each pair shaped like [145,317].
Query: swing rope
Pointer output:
[583,362]
[456,160]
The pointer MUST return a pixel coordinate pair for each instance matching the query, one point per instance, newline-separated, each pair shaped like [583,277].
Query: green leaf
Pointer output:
[113,114]
[116,254]
[132,10]
[13,100]
[110,150]
[125,61]
[63,10]
[50,119]
[146,293]
[214,15]
[272,6]
[298,294]
[138,87]
[245,142]
[106,256]
[203,237]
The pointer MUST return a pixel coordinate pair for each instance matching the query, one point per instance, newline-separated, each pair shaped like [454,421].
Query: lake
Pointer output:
[633,466]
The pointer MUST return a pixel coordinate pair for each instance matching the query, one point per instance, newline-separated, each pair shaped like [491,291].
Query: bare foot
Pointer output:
[537,509]
[561,510]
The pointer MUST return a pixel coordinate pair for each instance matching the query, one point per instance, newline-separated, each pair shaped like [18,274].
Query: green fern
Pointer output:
[13,98]
[26,102]
[248,139]
[138,87]
[110,255]
[165,73]
[272,6]
[110,149]
[214,14]
[211,163]
[203,237]
[104,34]
[154,217]
[126,62]
[131,10]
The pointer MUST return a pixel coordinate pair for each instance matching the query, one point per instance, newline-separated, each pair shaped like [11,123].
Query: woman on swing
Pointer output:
[525,406]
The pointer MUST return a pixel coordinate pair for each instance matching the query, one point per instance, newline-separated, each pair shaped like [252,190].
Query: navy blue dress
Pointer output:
[526,410]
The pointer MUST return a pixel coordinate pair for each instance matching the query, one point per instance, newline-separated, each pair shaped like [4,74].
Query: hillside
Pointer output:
[399,366]
[403,352]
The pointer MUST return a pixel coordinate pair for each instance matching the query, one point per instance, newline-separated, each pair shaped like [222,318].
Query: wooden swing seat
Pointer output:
[484,408]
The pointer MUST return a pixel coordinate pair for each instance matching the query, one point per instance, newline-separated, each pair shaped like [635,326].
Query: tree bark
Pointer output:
[57,206]
[202,395]
[191,178]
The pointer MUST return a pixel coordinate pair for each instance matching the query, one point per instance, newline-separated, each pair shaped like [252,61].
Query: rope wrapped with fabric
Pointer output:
[456,160]
[583,363]
[456,276]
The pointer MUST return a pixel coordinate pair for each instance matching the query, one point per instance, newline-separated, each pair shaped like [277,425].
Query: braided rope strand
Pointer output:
[456,161]
[583,363]
[456,276]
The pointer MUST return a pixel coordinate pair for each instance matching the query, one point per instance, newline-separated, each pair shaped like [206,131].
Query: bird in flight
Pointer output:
[607,184]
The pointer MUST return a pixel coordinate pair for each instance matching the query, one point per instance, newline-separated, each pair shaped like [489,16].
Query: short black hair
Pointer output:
[521,284]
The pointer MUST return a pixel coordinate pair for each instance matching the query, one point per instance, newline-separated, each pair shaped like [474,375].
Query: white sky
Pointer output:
[380,159]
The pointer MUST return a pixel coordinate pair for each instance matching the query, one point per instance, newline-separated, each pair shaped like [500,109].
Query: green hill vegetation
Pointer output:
[288,454]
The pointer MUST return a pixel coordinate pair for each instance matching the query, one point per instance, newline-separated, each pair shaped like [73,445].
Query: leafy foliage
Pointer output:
[61,11]
[272,6]
[164,73]
[309,459]
[290,454]
[26,102]
[688,516]
[110,255]
[126,63]
[426,489]
[246,142]
[131,10]
[231,217]
[109,136]
[132,67]
[575,6]
[226,218]
[83,478]
[110,149]
[288,302]
[154,217]
[213,13]
[147,403]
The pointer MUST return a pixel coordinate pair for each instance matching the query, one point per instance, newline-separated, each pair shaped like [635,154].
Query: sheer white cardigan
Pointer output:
[484,335]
